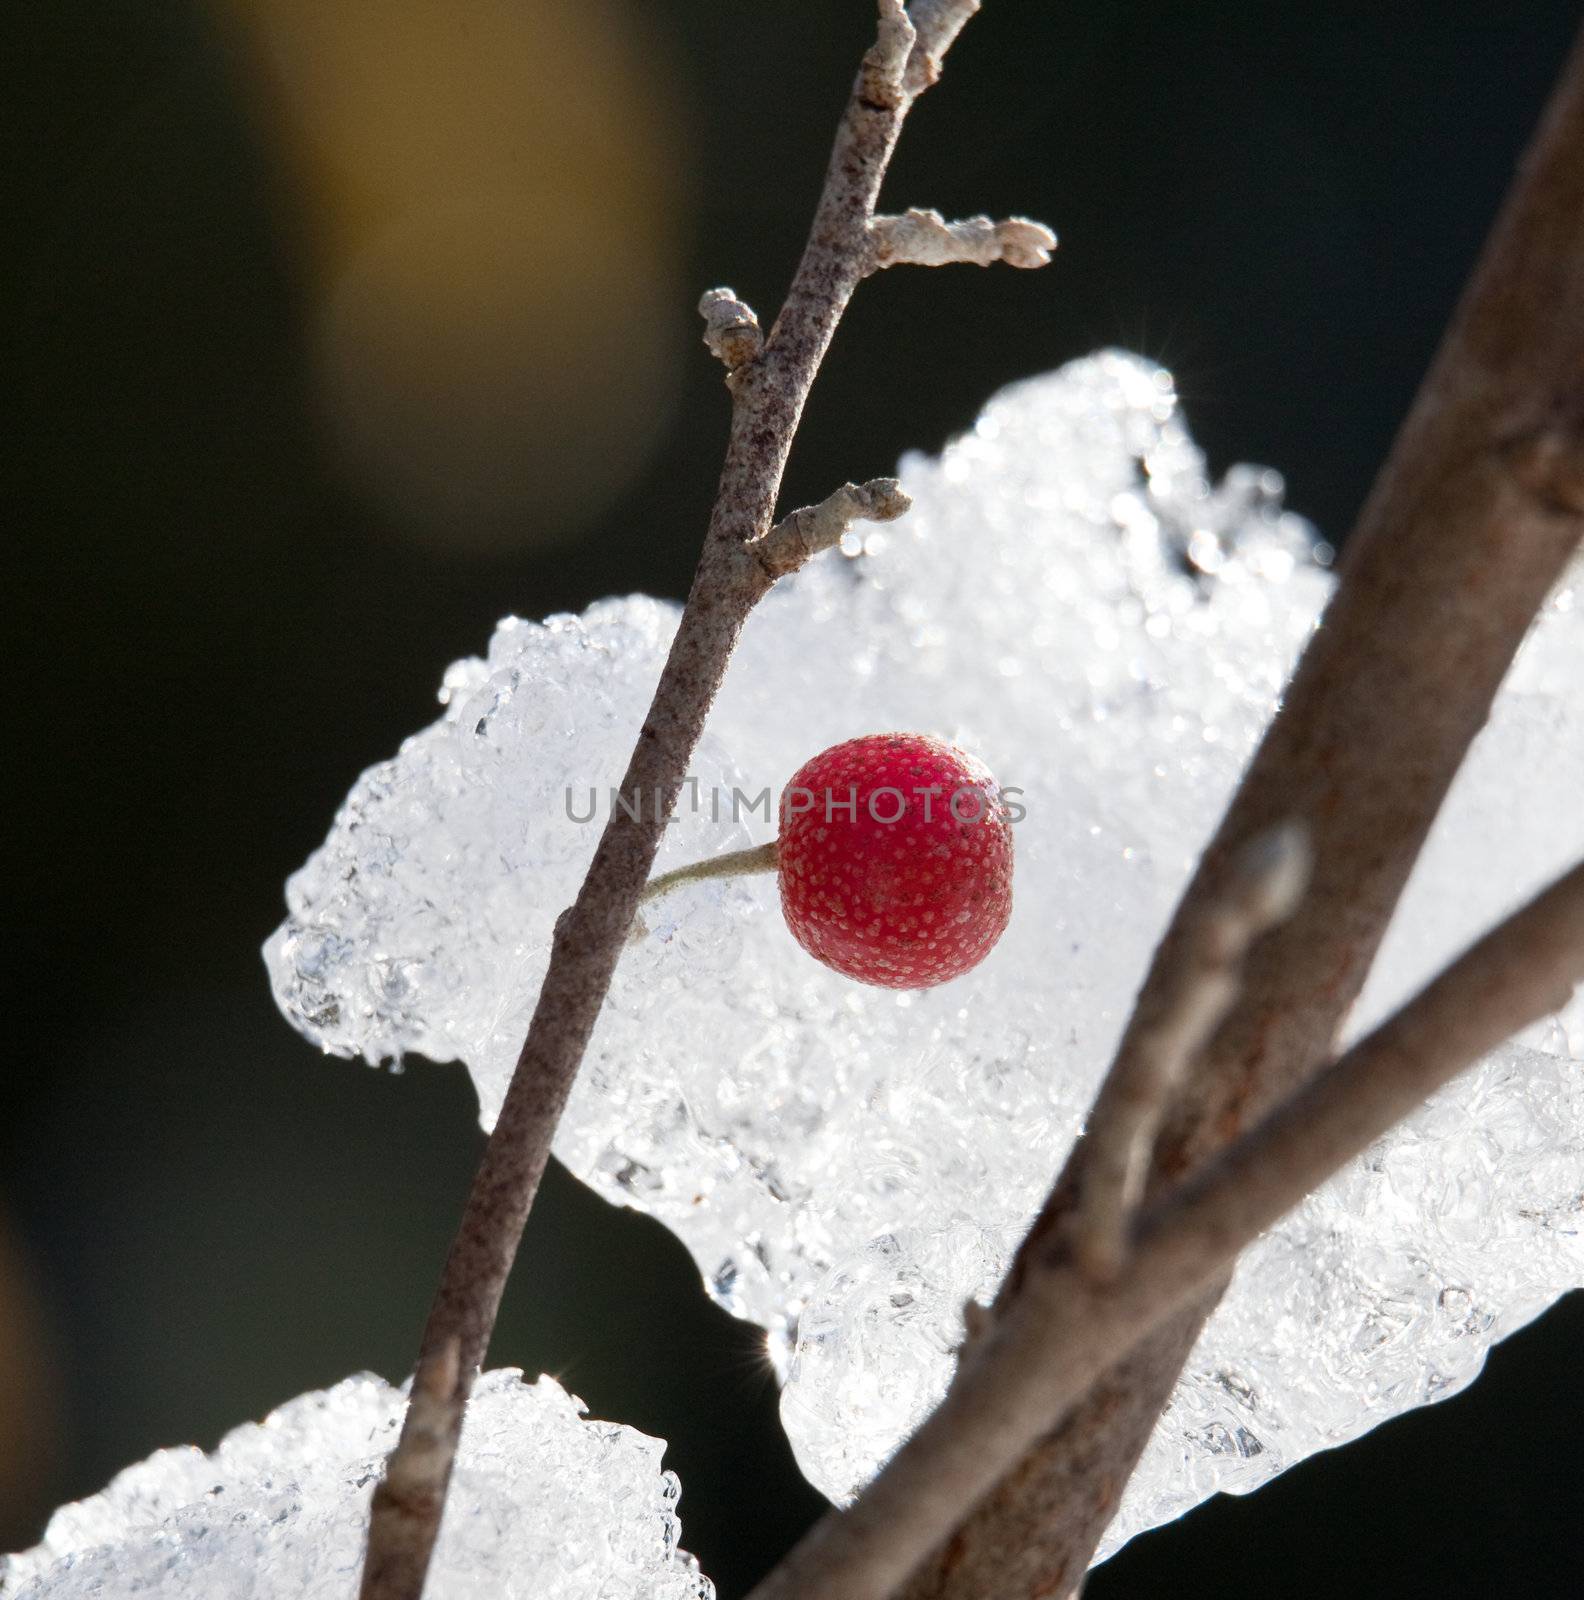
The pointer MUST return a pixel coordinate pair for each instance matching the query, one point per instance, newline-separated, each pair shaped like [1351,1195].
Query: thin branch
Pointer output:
[1032,1363]
[768,390]
[1471,522]
[926,239]
[802,535]
[1192,1001]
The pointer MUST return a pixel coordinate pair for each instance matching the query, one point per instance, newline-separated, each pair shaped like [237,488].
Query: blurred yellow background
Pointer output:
[485,197]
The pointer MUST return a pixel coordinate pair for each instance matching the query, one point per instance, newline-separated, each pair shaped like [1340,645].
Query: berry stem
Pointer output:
[734,864]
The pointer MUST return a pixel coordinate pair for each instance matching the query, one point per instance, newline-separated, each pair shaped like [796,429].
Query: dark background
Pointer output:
[217,624]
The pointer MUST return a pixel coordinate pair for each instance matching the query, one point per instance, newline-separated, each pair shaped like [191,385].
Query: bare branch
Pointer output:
[811,529]
[1472,520]
[731,330]
[1041,1355]
[1191,1002]
[926,239]
[768,387]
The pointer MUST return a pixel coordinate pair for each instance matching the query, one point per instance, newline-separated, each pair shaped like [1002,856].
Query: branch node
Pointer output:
[978,1319]
[1265,883]
[1270,877]
[417,1465]
[731,330]
[811,529]
[925,239]
[1548,464]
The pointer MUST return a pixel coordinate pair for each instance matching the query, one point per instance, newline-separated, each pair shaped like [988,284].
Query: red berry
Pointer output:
[895,860]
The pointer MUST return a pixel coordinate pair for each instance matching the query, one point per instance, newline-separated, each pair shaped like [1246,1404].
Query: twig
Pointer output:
[806,532]
[1264,889]
[926,239]
[768,384]
[1473,518]
[1032,1363]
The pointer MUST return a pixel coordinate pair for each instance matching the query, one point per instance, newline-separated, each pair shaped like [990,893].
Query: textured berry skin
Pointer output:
[905,903]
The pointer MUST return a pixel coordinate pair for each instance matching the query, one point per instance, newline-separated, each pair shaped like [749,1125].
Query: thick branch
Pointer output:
[806,532]
[926,239]
[768,389]
[1472,520]
[1043,1352]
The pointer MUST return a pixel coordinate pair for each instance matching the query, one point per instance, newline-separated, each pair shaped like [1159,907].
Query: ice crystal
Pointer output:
[543,1504]
[1074,602]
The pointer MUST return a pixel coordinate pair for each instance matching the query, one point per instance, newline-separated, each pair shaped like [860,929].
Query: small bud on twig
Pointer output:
[731,330]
